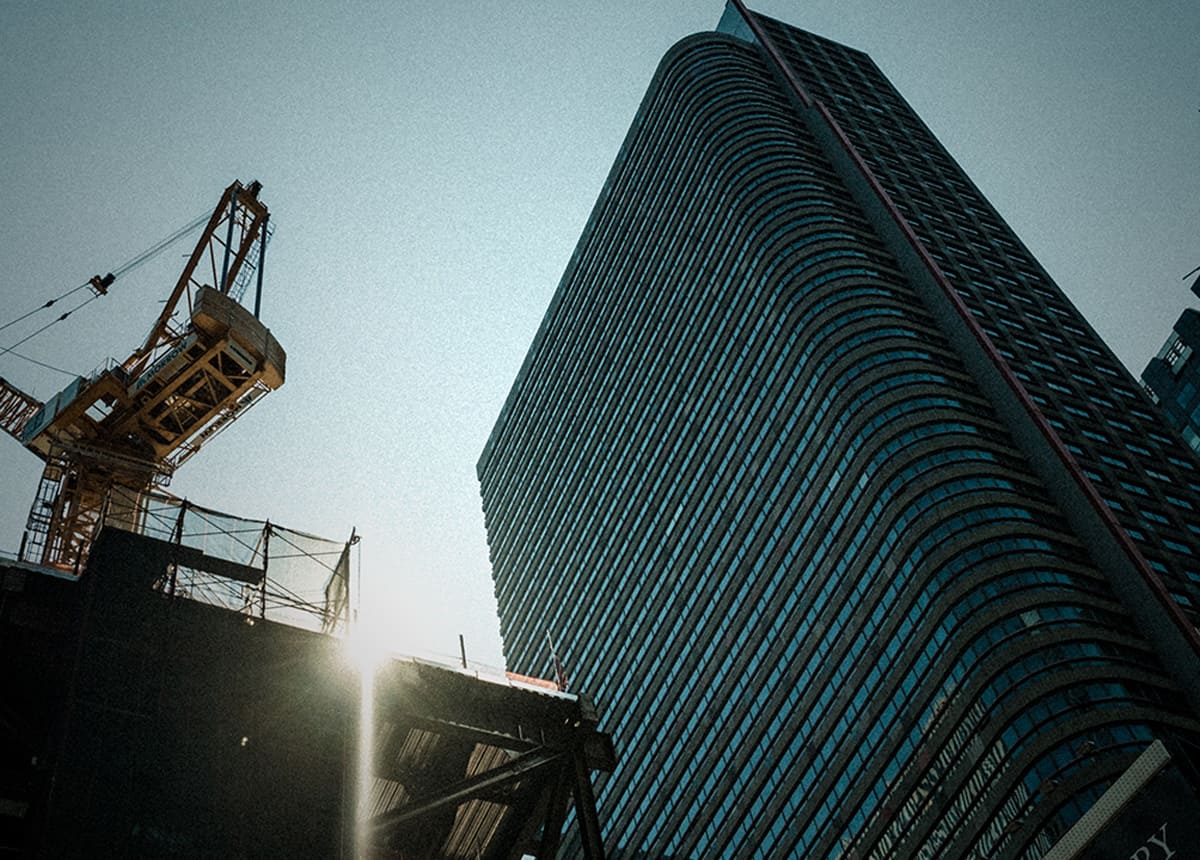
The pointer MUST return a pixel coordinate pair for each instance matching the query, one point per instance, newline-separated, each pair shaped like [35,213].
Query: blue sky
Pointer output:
[429,167]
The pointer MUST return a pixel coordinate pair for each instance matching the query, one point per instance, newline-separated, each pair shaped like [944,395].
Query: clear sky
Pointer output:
[429,167]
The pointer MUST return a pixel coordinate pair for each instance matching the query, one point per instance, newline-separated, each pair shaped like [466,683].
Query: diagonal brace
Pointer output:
[383,824]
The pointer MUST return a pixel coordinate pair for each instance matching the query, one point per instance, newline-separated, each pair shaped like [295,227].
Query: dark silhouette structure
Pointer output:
[158,706]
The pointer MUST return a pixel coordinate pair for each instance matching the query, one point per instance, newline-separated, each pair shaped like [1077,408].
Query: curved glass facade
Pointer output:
[779,531]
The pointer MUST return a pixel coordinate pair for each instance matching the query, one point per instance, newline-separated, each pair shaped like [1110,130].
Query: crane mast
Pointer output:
[109,438]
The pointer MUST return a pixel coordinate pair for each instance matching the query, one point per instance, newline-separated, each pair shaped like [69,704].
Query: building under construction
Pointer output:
[174,680]
[190,696]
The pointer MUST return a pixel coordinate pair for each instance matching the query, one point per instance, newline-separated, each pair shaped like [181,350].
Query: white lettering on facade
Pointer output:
[1158,840]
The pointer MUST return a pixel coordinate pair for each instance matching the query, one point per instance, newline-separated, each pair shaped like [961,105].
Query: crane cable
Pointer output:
[59,319]
[48,304]
[63,371]
[100,285]
[161,245]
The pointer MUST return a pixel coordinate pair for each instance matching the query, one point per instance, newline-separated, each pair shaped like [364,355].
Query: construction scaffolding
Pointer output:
[254,567]
[465,766]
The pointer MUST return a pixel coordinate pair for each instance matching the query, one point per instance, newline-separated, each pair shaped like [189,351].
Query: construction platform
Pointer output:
[172,702]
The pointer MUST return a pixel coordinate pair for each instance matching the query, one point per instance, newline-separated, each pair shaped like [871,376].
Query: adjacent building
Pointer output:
[1172,378]
[868,542]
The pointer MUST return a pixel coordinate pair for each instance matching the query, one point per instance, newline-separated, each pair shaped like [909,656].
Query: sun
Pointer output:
[366,647]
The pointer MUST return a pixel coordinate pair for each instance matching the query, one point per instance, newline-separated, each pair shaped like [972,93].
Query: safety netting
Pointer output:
[250,566]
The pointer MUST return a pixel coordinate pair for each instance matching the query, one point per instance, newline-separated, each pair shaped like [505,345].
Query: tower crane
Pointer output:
[108,438]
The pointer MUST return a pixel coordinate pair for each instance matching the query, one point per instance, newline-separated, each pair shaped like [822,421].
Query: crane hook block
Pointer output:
[101,284]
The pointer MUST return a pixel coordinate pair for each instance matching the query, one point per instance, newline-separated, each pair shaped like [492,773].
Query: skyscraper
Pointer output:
[867,543]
